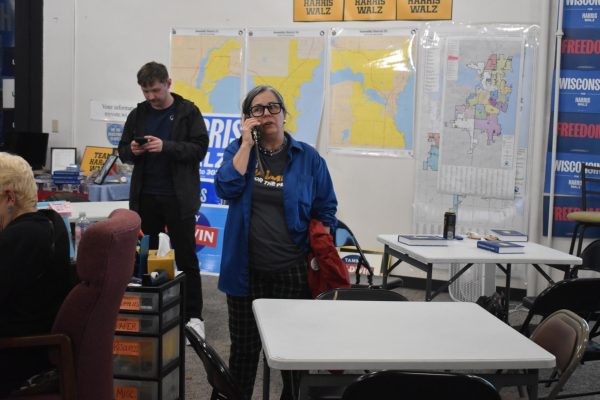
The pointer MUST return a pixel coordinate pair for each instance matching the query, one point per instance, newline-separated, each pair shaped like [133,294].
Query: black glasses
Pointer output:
[259,110]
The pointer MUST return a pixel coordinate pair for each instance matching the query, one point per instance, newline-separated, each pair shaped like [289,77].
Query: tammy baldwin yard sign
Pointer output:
[371,10]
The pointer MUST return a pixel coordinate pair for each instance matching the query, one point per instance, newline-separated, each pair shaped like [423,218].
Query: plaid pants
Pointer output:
[245,340]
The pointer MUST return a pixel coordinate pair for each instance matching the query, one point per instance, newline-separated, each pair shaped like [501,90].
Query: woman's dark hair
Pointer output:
[247,103]
[152,72]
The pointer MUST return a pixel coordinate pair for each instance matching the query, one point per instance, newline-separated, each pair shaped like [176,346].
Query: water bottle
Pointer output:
[80,226]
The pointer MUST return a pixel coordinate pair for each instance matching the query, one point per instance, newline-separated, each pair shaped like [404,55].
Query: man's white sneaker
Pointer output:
[198,325]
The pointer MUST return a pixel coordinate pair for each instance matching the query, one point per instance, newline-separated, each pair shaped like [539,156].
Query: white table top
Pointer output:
[466,251]
[327,334]
[96,210]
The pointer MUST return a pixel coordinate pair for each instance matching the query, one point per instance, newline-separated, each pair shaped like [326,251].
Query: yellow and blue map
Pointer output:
[372,83]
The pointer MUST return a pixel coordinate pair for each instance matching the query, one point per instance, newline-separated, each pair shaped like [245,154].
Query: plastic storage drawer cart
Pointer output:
[149,347]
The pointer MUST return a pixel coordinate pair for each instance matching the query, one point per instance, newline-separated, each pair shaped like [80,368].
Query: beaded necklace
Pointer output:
[278,150]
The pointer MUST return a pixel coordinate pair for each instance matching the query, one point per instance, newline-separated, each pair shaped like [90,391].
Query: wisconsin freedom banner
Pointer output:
[578,127]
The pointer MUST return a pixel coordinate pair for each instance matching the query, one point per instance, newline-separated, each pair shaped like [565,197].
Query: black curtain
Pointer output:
[28,65]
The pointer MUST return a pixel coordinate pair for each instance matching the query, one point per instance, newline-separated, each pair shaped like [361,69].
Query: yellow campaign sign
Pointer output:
[424,10]
[94,158]
[370,10]
[318,10]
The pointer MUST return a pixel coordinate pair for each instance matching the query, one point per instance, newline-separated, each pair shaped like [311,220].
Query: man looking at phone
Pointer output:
[166,139]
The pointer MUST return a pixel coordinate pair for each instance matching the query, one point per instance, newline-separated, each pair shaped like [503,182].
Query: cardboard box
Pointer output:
[162,262]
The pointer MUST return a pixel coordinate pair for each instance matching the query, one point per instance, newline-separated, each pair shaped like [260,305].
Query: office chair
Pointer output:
[345,240]
[370,294]
[81,339]
[217,372]
[585,218]
[396,385]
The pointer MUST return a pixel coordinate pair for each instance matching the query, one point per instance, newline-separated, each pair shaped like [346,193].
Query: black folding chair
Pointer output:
[346,241]
[579,295]
[370,294]
[395,385]
[217,373]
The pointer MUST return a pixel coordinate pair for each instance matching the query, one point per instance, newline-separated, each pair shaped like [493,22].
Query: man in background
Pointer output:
[166,139]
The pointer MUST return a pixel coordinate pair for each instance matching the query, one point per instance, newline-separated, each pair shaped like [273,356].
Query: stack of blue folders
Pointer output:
[66,176]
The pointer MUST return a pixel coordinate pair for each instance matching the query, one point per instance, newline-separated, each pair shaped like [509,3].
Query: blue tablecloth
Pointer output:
[108,192]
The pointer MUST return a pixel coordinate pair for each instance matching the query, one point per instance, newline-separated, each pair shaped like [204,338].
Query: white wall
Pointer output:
[93,49]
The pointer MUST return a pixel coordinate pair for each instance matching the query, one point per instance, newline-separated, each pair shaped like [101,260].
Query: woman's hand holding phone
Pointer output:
[249,125]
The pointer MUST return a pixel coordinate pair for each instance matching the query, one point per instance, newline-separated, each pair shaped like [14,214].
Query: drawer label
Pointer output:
[128,324]
[126,348]
[130,302]
[126,393]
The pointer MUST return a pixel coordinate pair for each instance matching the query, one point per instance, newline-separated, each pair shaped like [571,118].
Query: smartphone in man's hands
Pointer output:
[140,140]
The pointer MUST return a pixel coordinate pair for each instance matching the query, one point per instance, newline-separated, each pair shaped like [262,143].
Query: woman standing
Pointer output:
[274,186]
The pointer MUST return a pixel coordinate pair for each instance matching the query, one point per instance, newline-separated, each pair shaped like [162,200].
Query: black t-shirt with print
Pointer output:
[270,245]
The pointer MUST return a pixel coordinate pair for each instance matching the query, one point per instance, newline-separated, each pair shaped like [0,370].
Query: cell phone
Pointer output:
[256,133]
[141,140]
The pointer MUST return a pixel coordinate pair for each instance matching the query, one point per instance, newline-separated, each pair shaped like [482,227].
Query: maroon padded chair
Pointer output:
[83,330]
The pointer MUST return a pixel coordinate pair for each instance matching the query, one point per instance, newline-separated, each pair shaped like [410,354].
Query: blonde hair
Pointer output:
[16,175]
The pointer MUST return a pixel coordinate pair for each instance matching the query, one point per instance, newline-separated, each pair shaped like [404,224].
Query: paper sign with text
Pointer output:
[130,302]
[424,10]
[126,348]
[318,10]
[126,393]
[94,158]
[110,110]
[370,10]
[125,324]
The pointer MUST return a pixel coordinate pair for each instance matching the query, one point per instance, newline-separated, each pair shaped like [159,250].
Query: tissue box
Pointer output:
[162,262]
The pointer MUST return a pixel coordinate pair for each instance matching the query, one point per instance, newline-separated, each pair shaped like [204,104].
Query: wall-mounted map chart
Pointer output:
[371,93]
[293,62]
[479,112]
[206,68]
[473,126]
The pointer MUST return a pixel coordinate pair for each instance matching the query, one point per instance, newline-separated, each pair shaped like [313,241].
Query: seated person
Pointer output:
[35,269]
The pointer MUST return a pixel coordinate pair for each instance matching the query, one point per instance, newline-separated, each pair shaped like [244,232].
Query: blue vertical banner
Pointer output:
[210,220]
[578,128]
[210,223]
